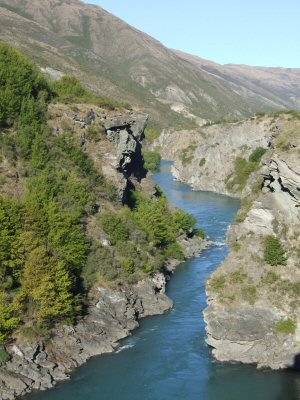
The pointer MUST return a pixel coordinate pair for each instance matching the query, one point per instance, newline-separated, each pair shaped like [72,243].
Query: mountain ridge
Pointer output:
[113,58]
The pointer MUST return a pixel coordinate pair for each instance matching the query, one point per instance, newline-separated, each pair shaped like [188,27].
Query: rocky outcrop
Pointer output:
[112,140]
[247,335]
[253,304]
[127,132]
[205,158]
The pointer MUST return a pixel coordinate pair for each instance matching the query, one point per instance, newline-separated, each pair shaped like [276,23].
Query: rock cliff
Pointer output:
[205,158]
[112,139]
[253,297]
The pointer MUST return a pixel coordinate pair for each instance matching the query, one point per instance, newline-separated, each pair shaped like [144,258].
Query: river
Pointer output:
[167,357]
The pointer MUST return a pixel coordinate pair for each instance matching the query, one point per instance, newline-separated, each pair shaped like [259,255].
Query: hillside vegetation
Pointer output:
[48,260]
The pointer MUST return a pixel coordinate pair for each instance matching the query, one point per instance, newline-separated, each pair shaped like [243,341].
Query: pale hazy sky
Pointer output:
[254,32]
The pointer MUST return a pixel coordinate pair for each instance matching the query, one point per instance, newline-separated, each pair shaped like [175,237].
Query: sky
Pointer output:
[253,32]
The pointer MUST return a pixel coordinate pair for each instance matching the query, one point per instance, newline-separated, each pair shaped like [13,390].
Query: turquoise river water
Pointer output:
[167,357]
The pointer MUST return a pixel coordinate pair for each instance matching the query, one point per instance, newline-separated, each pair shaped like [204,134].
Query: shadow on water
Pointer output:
[167,357]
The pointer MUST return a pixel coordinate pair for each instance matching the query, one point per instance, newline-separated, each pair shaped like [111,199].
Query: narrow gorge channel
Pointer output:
[167,357]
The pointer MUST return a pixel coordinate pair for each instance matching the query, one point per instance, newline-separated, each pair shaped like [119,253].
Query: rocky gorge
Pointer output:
[114,141]
[112,315]
[253,297]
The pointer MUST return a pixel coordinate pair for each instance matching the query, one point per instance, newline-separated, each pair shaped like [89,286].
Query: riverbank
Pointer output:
[112,315]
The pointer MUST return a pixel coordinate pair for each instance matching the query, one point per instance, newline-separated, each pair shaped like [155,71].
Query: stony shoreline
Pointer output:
[112,316]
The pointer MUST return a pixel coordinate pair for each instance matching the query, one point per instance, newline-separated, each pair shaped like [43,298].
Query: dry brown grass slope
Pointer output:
[116,59]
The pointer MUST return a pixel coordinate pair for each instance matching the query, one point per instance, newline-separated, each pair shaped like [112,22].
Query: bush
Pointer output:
[183,221]
[174,250]
[20,82]
[152,160]
[114,227]
[188,154]
[151,134]
[148,268]
[100,263]
[200,233]
[242,171]
[69,89]
[4,356]
[257,154]
[286,326]
[128,265]
[94,133]
[274,253]
[202,162]
[237,180]
[154,217]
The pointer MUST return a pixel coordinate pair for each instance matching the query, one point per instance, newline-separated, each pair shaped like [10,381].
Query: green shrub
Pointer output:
[286,326]
[100,263]
[184,221]
[8,319]
[128,266]
[68,88]
[174,250]
[257,154]
[152,160]
[22,86]
[4,356]
[154,217]
[188,154]
[243,168]
[200,233]
[148,268]
[94,133]
[237,277]
[151,134]
[274,252]
[202,162]
[114,227]
[242,171]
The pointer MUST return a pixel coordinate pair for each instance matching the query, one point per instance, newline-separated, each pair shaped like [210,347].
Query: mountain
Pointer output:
[113,58]
[278,87]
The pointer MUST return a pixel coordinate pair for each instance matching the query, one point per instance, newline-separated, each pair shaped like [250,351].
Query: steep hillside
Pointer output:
[85,238]
[276,87]
[257,288]
[113,58]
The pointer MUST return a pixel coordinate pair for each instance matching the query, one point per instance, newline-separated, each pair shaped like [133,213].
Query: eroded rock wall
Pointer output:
[253,313]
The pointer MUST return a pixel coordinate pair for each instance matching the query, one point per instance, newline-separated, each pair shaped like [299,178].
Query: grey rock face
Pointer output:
[246,334]
[249,333]
[126,132]
[112,316]
[204,160]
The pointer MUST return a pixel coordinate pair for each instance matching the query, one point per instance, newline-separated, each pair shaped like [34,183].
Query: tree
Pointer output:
[11,249]
[20,82]
[8,319]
